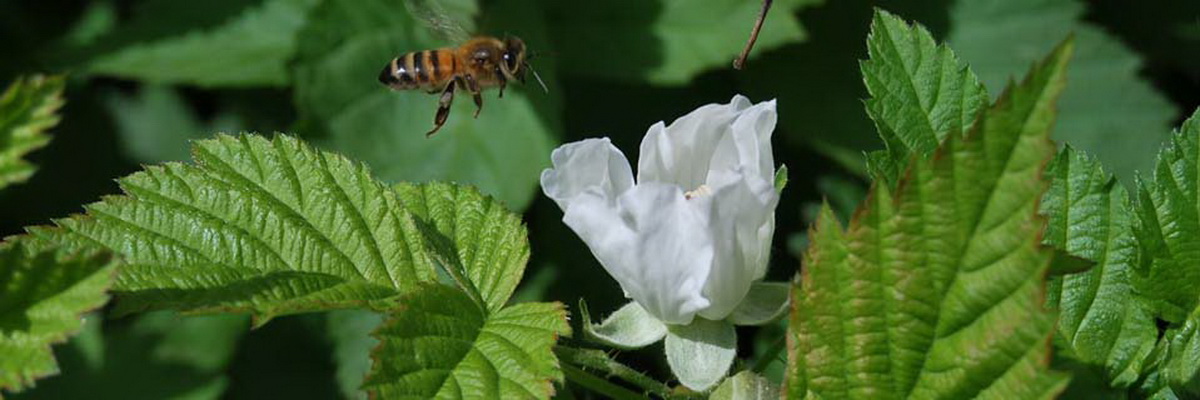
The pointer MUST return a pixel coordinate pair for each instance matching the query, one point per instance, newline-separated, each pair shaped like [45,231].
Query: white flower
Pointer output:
[692,234]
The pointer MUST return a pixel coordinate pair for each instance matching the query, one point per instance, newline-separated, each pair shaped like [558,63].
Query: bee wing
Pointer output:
[442,24]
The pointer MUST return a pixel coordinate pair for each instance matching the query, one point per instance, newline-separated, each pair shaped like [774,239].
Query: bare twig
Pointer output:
[762,15]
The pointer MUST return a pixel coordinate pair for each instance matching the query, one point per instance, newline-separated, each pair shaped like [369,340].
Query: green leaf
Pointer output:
[745,386]
[1170,225]
[156,124]
[349,333]
[1089,216]
[338,96]
[630,327]
[28,108]
[43,295]
[665,42]
[920,91]
[490,241]
[935,289]
[1168,230]
[251,49]
[700,353]
[1110,113]
[166,355]
[266,226]
[441,346]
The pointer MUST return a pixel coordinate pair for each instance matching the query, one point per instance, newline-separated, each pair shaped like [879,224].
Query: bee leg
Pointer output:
[503,81]
[473,87]
[443,110]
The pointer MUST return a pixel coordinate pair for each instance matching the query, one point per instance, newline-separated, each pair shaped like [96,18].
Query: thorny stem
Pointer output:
[598,360]
[598,385]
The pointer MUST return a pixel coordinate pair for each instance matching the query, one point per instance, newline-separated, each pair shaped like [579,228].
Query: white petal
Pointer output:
[681,152]
[590,165]
[748,147]
[742,216]
[656,245]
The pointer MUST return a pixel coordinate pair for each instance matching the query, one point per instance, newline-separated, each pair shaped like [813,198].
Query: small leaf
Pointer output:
[156,124]
[266,226]
[441,346]
[43,295]
[765,302]
[920,91]
[630,327]
[28,108]
[935,289]
[250,49]
[1089,217]
[700,353]
[746,386]
[781,178]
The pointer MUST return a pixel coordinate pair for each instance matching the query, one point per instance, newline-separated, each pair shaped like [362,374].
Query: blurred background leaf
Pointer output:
[1108,110]
[163,355]
[249,49]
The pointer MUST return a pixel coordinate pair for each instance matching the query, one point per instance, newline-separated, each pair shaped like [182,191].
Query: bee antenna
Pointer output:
[538,77]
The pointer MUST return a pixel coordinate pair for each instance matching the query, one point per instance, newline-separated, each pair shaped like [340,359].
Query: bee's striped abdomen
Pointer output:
[429,69]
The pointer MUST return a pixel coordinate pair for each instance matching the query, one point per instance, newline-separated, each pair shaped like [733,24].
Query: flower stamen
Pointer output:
[701,191]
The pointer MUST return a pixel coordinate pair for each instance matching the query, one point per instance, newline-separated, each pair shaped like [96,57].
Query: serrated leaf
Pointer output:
[28,107]
[1168,231]
[266,226]
[338,96]
[667,41]
[490,241]
[43,295]
[441,346]
[251,49]
[935,289]
[1109,111]
[1089,216]
[920,91]
[1170,225]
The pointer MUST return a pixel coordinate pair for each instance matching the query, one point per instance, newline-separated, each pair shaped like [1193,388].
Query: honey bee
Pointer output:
[480,63]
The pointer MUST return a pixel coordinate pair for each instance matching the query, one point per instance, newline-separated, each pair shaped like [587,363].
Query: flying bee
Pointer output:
[480,63]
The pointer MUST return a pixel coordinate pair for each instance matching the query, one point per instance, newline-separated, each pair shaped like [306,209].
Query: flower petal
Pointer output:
[765,302]
[657,246]
[630,327]
[749,148]
[588,165]
[681,152]
[743,223]
[700,353]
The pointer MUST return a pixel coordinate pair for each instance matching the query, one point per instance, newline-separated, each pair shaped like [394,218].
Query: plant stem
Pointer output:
[598,385]
[599,360]
[769,356]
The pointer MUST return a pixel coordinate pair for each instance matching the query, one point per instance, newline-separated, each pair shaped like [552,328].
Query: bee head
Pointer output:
[516,61]
[514,58]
